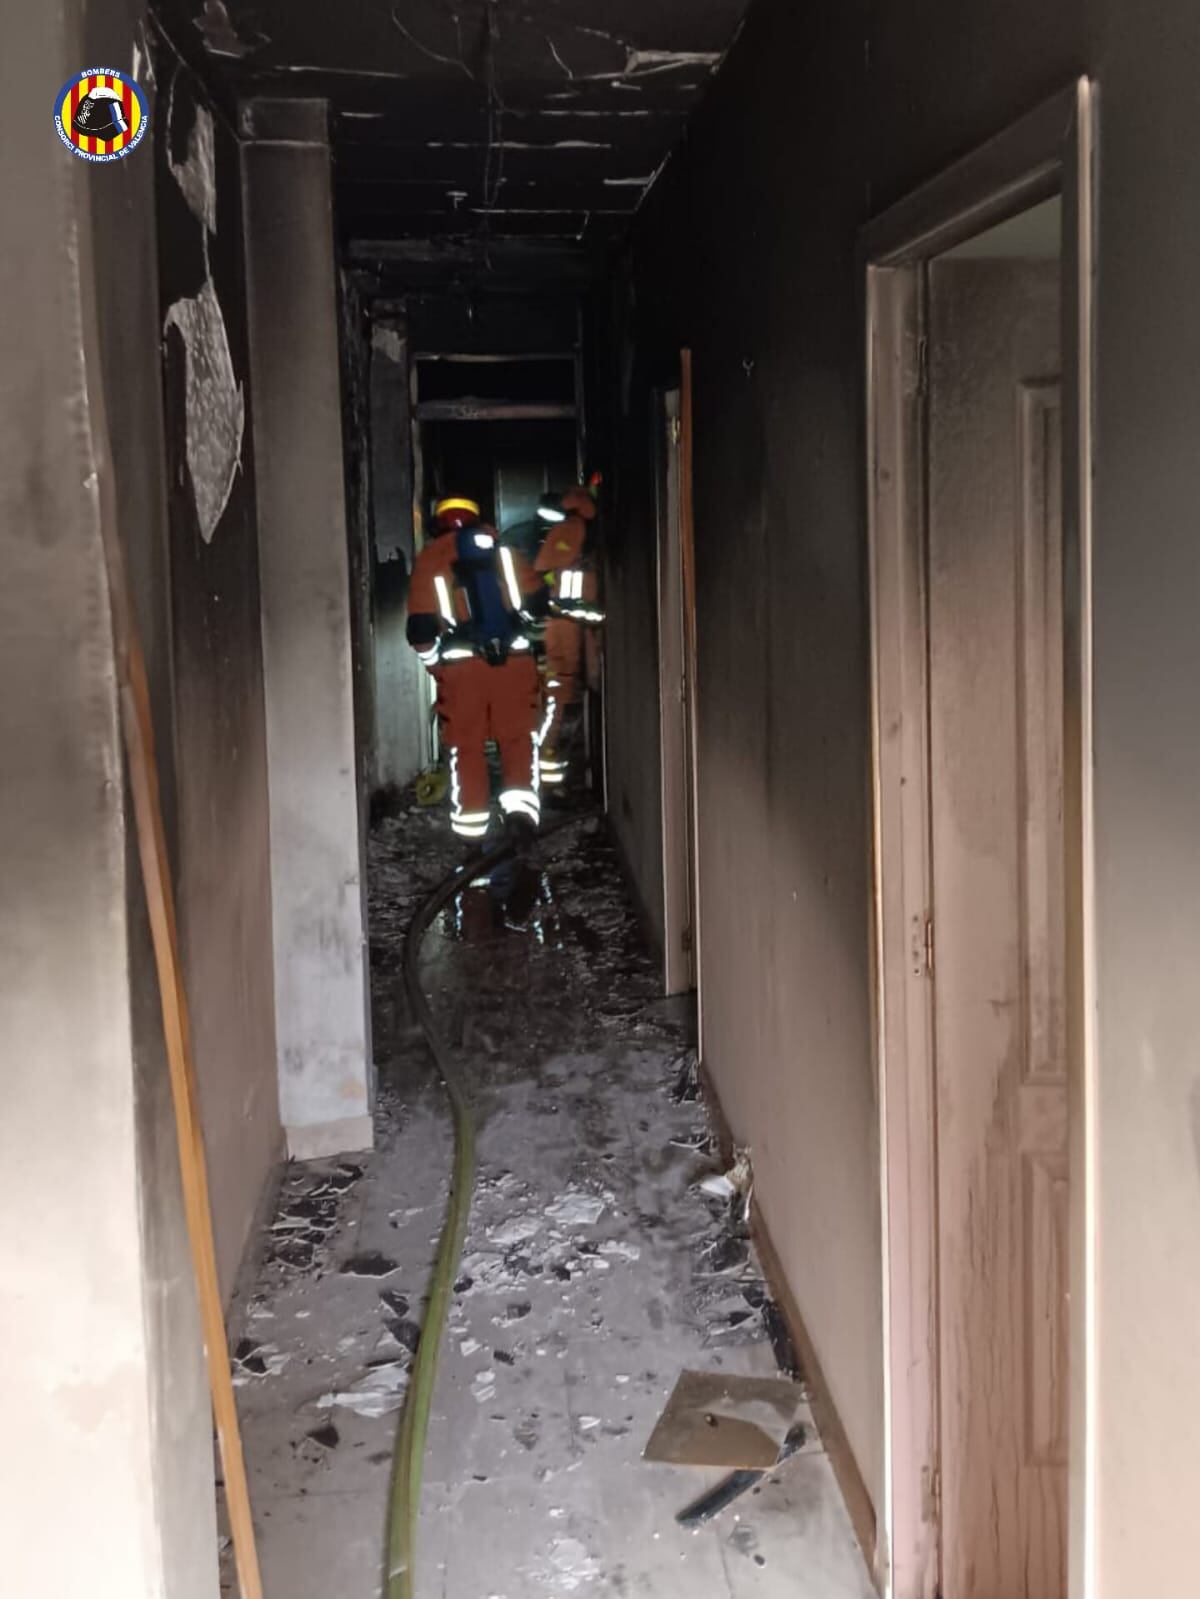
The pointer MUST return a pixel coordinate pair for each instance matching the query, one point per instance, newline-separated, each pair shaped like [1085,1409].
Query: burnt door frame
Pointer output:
[1051,151]
[676,743]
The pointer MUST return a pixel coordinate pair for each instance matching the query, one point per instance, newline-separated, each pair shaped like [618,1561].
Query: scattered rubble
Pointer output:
[600,1258]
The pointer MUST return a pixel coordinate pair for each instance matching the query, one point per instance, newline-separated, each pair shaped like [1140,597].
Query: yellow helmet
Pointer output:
[455,512]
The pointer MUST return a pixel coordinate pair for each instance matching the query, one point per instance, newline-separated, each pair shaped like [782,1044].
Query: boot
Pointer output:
[521,830]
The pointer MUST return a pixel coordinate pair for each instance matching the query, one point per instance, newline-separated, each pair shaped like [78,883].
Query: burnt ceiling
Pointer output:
[460,126]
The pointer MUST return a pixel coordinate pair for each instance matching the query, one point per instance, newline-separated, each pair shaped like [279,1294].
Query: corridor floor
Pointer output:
[596,1270]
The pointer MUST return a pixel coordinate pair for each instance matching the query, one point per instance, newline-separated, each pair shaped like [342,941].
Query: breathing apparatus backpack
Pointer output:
[492,624]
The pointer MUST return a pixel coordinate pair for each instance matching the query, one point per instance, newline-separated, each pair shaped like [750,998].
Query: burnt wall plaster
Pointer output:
[220,738]
[111,1425]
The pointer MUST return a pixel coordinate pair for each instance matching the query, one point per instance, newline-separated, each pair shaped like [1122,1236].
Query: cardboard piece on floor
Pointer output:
[718,1419]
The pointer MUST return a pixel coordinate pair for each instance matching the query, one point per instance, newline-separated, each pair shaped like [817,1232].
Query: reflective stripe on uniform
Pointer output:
[469,829]
[551,707]
[455,788]
[521,801]
[443,594]
[510,577]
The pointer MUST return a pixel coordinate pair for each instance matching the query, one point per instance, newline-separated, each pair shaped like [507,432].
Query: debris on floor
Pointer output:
[726,1419]
[740,1482]
[597,1267]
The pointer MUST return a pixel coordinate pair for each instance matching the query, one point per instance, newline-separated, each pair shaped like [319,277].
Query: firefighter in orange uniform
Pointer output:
[566,560]
[471,604]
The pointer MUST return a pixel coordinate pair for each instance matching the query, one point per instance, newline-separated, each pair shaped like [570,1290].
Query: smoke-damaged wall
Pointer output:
[623,375]
[220,730]
[355,353]
[108,1415]
[402,694]
[746,252]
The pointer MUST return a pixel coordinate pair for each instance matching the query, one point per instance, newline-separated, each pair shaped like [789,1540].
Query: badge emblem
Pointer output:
[100,115]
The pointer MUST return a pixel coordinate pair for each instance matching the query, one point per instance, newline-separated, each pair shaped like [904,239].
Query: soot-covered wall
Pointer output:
[220,730]
[745,251]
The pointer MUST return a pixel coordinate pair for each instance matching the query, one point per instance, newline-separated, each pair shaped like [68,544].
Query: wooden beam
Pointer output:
[494,358]
[469,410]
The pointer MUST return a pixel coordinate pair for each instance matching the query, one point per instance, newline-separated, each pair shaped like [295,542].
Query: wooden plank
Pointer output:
[138,732]
[468,410]
[493,358]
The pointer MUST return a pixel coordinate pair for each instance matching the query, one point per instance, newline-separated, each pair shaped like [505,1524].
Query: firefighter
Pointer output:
[566,560]
[471,604]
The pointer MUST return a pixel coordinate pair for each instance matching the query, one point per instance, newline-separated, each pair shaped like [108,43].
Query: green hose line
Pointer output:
[405,1499]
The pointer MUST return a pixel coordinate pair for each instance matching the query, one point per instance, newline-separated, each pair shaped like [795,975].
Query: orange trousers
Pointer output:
[477,702]
[564,686]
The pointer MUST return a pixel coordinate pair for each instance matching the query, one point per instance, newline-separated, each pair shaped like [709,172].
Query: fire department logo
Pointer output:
[101,114]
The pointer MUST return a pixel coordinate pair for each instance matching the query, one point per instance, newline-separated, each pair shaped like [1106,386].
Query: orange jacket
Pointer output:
[437,602]
[566,562]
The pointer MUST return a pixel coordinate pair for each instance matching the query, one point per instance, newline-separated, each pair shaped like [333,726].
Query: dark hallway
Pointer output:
[717,475]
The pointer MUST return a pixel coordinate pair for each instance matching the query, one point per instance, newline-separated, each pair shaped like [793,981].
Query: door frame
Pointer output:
[1052,151]
[677,776]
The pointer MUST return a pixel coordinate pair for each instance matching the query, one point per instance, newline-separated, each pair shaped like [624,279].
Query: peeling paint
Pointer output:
[648,61]
[221,38]
[388,341]
[197,174]
[216,411]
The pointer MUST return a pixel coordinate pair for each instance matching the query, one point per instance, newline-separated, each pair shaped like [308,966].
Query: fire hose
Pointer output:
[405,1497]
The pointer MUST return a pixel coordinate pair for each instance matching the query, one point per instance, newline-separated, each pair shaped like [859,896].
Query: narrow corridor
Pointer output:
[596,1270]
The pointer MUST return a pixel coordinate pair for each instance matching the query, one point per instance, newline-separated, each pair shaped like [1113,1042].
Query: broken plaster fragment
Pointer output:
[215,405]
[577,1209]
[379,1393]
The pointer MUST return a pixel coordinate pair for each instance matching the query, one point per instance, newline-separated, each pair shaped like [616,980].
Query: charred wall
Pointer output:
[220,729]
[110,1417]
[624,371]
[745,251]
[355,361]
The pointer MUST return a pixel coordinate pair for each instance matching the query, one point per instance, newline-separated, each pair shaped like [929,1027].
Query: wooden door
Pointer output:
[996,807]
